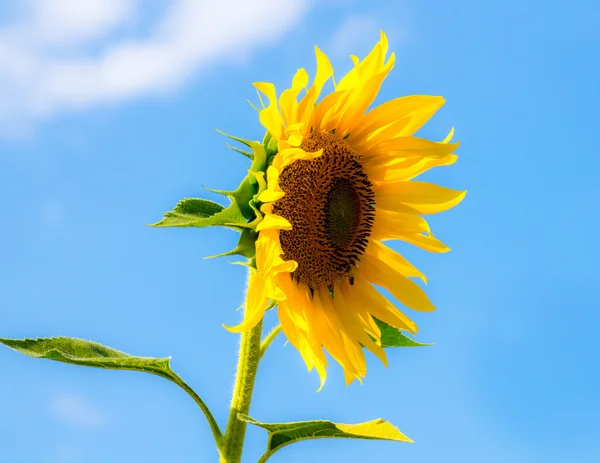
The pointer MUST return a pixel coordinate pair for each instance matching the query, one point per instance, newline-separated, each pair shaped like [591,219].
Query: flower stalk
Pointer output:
[249,356]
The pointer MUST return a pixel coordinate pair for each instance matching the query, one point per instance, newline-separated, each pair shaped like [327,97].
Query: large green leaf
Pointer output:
[392,337]
[92,354]
[196,212]
[282,434]
[88,353]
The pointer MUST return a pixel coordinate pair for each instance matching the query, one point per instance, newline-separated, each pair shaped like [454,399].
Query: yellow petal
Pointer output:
[366,68]
[388,224]
[273,191]
[389,150]
[348,314]
[326,114]
[299,308]
[405,290]
[449,136]
[269,196]
[323,74]
[329,338]
[400,111]
[422,197]
[377,252]
[270,117]
[370,326]
[273,221]
[407,227]
[288,99]
[363,293]
[350,343]
[286,157]
[427,242]
[363,96]
[256,303]
[406,169]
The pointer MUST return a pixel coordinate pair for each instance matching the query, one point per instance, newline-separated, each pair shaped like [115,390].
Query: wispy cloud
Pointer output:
[78,412]
[357,32]
[62,54]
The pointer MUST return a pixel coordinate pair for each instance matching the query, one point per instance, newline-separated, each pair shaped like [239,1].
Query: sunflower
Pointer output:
[338,184]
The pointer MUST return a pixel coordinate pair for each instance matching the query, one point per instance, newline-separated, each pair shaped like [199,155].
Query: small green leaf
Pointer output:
[282,434]
[195,212]
[392,337]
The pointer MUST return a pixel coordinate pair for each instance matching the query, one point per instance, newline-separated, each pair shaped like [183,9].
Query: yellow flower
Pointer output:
[340,183]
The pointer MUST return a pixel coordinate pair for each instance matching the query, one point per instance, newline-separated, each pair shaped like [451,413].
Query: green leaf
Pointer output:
[392,337]
[88,353]
[92,354]
[282,434]
[195,212]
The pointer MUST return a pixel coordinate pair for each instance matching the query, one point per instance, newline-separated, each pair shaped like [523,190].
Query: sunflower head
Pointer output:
[332,180]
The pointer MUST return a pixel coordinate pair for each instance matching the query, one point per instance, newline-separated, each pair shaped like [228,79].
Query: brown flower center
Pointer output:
[330,204]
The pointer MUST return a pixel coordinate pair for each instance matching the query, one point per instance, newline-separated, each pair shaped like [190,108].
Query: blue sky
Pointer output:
[107,120]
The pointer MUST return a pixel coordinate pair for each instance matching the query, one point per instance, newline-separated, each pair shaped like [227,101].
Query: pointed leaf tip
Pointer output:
[393,337]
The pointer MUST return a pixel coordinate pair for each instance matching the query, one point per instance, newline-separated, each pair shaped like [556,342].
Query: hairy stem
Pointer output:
[249,357]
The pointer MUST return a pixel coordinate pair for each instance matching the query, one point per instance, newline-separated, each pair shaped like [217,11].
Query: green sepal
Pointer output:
[270,145]
[282,434]
[237,150]
[243,141]
[243,194]
[195,212]
[245,263]
[247,192]
[271,149]
[272,304]
[245,247]
[259,163]
[393,337]
[227,193]
[267,138]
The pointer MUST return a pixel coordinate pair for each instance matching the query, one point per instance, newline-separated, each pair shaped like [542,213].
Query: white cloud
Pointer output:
[62,54]
[78,412]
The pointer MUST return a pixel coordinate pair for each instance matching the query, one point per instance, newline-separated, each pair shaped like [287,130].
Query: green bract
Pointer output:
[243,213]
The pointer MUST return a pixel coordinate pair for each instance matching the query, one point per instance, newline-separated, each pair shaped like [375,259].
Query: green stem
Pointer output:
[265,456]
[250,352]
[269,339]
[214,427]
